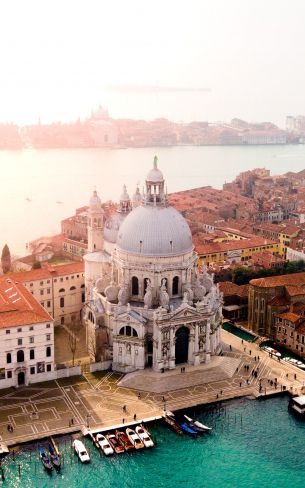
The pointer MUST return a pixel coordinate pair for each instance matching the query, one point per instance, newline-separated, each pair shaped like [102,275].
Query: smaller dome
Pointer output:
[95,200]
[137,197]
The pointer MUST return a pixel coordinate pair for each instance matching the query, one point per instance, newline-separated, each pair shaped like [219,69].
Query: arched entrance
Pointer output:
[21,378]
[182,345]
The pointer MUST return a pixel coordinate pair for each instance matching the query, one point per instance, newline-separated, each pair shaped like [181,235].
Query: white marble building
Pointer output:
[147,303]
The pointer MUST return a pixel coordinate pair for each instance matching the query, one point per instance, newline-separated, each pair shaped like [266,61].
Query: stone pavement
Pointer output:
[97,399]
[218,369]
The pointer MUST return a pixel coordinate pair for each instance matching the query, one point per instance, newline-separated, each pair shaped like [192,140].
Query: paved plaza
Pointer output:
[97,400]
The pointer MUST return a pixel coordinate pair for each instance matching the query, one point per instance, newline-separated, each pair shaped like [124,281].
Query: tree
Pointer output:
[6,259]
[36,265]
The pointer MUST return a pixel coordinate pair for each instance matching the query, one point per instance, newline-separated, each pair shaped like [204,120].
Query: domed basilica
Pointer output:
[147,304]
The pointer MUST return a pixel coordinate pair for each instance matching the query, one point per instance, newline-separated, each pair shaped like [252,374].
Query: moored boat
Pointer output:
[123,440]
[55,459]
[81,451]
[197,425]
[172,423]
[297,405]
[134,439]
[45,459]
[114,443]
[144,436]
[104,445]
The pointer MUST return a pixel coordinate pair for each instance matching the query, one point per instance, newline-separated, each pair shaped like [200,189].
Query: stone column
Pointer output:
[191,347]
[196,346]
[172,352]
[207,343]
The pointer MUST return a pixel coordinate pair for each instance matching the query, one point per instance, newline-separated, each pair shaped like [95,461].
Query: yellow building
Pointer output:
[234,251]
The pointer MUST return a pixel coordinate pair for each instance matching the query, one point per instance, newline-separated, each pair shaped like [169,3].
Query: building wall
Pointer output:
[36,337]
[47,293]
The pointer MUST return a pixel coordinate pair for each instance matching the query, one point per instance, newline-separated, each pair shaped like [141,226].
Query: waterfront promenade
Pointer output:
[97,400]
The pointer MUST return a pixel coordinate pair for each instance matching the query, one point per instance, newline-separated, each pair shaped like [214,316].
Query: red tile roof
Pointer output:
[18,306]
[292,317]
[297,279]
[48,271]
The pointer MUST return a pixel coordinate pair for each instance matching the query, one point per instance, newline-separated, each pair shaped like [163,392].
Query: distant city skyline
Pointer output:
[223,59]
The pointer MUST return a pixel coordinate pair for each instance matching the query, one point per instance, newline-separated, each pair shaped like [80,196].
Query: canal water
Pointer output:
[243,334]
[253,444]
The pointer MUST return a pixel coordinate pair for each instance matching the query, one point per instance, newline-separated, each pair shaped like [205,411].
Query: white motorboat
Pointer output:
[134,439]
[81,451]
[144,436]
[104,445]
[197,423]
[272,351]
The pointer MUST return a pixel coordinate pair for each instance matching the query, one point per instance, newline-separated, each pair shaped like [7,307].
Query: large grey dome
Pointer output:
[155,231]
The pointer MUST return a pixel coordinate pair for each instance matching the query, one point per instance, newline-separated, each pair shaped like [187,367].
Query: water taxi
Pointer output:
[81,451]
[134,439]
[104,445]
[144,436]
[297,405]
[114,443]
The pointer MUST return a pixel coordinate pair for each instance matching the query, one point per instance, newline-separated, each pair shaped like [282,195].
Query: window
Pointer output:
[62,302]
[83,297]
[55,280]
[32,353]
[72,277]
[48,304]
[9,374]
[72,288]
[48,282]
[9,357]
[19,330]
[41,283]
[7,331]
[49,367]
[128,331]
[32,340]
[82,286]
[32,369]
[61,280]
[41,292]
[48,326]
[48,337]
[67,277]
[61,290]
[77,276]
[48,291]
[19,342]
[62,320]
[134,285]
[31,284]
[48,351]
[20,356]
[175,289]
[31,328]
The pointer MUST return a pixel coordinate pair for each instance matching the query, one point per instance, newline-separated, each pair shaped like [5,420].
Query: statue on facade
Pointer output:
[163,295]
[148,297]
[199,290]
[123,294]
[190,293]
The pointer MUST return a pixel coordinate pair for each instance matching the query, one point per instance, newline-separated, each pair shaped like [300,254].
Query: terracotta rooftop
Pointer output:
[215,247]
[294,290]
[297,279]
[278,302]
[292,317]
[48,271]
[18,306]
[228,288]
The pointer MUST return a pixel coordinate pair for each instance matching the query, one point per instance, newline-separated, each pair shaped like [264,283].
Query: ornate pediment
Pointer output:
[131,317]
[186,313]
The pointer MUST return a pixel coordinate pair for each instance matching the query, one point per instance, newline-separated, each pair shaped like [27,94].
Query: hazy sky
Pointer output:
[57,56]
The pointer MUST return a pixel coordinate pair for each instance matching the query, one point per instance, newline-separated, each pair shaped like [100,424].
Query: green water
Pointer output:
[238,332]
[253,444]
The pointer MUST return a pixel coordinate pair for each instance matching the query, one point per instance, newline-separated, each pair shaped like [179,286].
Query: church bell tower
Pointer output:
[95,224]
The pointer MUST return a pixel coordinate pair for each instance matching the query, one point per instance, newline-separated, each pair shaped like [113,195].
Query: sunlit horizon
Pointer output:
[57,57]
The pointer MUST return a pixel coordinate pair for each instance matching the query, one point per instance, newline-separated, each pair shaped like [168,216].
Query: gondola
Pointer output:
[55,459]
[197,425]
[183,425]
[173,424]
[45,460]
